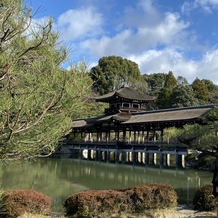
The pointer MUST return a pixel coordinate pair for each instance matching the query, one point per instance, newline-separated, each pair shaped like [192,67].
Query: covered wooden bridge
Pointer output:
[128,132]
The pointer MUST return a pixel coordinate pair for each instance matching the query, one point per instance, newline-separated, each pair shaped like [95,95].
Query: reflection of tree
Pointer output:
[59,178]
[42,176]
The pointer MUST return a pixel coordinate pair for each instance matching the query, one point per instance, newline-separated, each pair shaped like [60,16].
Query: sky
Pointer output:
[159,35]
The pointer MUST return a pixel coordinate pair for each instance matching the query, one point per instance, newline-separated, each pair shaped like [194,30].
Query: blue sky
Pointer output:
[159,35]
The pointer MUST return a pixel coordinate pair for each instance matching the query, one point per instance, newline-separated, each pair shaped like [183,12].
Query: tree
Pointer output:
[155,82]
[38,98]
[212,89]
[200,91]
[182,96]
[113,72]
[202,137]
[164,96]
[182,81]
[170,81]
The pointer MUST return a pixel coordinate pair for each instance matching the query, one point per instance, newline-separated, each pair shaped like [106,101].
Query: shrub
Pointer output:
[189,157]
[204,200]
[206,162]
[17,202]
[137,199]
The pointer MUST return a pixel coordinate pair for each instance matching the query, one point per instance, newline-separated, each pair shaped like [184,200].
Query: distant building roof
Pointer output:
[127,93]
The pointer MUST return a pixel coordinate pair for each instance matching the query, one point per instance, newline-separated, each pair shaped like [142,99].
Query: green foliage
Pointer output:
[38,98]
[204,200]
[18,202]
[170,81]
[136,200]
[213,91]
[206,161]
[183,96]
[170,134]
[163,99]
[200,91]
[199,137]
[113,72]
[182,81]
[164,96]
[155,82]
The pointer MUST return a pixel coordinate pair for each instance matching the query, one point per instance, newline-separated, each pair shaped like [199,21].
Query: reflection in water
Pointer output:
[59,178]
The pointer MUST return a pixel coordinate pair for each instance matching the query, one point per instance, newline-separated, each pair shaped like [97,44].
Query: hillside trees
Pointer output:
[38,98]
[182,96]
[164,96]
[113,72]
[200,91]
[155,82]
[212,89]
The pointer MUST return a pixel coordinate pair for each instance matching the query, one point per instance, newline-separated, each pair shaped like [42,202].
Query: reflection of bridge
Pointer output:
[123,152]
[100,175]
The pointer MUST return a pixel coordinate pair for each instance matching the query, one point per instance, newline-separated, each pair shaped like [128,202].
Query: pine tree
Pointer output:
[38,98]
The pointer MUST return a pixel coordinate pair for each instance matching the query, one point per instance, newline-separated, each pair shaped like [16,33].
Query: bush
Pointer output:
[206,162]
[204,200]
[17,202]
[189,157]
[137,199]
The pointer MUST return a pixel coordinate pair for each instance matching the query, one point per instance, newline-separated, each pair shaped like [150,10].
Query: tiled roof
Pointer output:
[170,115]
[125,92]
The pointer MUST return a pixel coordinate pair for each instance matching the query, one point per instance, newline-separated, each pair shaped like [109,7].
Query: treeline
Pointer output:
[114,72]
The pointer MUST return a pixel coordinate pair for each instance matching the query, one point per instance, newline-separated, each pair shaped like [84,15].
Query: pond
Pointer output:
[59,178]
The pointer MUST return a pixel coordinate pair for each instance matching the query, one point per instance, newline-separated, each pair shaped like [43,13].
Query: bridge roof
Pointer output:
[127,93]
[170,115]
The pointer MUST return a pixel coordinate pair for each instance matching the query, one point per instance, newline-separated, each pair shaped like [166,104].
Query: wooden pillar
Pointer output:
[98,136]
[161,134]
[147,135]
[143,136]
[134,136]
[124,135]
[154,136]
[130,136]
[138,136]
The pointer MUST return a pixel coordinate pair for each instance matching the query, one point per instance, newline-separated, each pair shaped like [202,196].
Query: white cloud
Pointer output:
[171,31]
[74,24]
[207,5]
[166,60]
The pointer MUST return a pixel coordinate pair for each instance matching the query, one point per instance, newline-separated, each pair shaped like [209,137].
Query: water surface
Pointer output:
[59,178]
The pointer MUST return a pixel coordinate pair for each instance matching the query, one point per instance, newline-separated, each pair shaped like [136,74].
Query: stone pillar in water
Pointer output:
[167,160]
